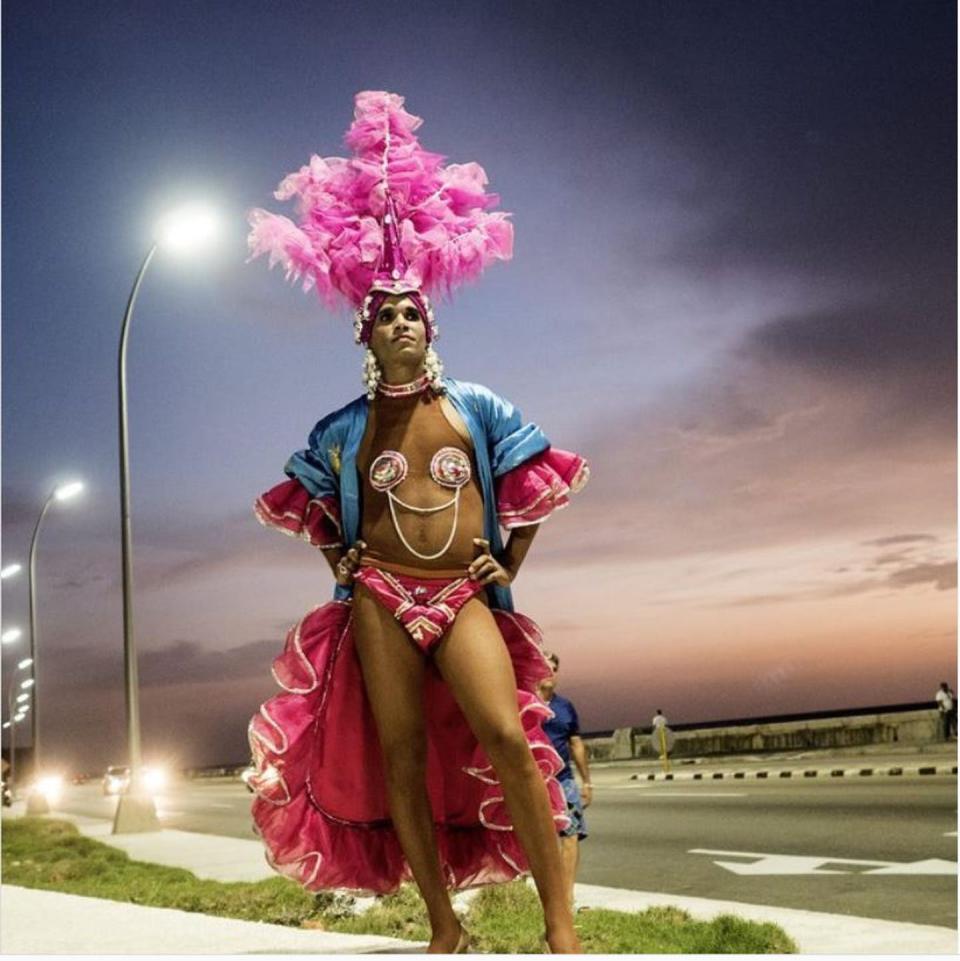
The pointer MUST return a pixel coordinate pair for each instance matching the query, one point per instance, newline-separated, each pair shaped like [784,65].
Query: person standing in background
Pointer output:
[563,729]
[947,706]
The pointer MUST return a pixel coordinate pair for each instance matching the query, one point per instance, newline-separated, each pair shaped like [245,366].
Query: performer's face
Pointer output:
[399,332]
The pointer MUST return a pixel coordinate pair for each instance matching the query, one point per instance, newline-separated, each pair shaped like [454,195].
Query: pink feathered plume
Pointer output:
[448,231]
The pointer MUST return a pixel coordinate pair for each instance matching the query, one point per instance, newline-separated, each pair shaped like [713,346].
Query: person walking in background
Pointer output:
[563,729]
[947,706]
[661,738]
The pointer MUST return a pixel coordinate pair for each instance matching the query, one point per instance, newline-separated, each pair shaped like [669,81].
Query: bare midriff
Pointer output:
[417,427]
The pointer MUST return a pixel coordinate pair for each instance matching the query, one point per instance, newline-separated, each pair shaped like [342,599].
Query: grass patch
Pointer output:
[41,852]
[400,915]
[506,919]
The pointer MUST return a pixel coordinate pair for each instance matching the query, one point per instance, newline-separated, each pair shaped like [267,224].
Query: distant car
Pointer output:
[116,780]
[80,778]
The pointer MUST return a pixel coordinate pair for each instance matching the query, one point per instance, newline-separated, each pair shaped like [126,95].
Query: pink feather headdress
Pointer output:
[391,219]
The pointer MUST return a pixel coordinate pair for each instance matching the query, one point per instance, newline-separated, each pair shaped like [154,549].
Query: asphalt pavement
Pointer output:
[874,849]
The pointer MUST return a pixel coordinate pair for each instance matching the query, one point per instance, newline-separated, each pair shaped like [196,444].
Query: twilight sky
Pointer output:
[733,290]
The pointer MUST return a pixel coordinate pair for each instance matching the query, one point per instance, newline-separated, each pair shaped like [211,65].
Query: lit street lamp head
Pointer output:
[187,229]
[26,662]
[66,491]
[8,637]
[9,571]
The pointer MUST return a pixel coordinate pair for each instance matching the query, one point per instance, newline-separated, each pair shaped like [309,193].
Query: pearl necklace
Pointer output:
[404,390]
[455,501]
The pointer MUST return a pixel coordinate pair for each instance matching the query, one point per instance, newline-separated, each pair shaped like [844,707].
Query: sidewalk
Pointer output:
[98,927]
[114,927]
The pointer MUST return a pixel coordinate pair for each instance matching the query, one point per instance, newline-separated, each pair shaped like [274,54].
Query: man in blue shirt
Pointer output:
[563,729]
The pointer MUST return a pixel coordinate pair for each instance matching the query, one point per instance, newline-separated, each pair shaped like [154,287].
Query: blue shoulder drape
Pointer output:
[501,441]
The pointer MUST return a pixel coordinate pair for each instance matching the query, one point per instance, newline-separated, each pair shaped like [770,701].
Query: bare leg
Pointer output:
[393,672]
[570,851]
[474,662]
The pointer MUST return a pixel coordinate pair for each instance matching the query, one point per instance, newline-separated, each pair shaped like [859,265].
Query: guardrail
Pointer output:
[854,727]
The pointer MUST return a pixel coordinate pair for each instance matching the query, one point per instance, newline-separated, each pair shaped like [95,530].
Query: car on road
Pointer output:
[116,780]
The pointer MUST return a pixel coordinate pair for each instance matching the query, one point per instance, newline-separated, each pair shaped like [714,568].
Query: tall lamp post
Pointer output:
[14,719]
[7,571]
[36,800]
[136,812]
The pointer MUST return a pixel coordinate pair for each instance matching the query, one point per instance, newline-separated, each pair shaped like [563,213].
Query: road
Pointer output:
[642,836]
[647,836]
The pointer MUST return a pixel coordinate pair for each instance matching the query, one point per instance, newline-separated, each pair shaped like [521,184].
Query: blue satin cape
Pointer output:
[327,467]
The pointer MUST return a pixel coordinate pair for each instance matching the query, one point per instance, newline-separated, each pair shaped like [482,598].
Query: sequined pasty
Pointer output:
[387,470]
[450,467]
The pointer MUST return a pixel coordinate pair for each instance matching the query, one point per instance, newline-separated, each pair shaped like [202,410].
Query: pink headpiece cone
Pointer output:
[393,275]
[391,218]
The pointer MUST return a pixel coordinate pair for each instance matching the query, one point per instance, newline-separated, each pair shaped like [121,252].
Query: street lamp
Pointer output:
[15,719]
[11,635]
[182,230]
[9,571]
[37,802]
[187,228]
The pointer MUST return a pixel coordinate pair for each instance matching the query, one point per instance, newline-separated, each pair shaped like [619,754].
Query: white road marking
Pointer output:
[930,866]
[949,834]
[778,865]
[666,792]
[791,864]
[657,794]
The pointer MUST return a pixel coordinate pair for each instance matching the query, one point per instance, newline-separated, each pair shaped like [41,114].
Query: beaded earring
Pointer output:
[372,373]
[434,370]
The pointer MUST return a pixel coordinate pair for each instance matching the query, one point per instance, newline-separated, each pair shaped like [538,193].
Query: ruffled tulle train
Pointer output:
[321,805]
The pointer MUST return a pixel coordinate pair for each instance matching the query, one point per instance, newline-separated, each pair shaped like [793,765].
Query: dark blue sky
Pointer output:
[733,289]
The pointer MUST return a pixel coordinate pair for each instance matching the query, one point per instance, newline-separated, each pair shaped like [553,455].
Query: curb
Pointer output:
[799,773]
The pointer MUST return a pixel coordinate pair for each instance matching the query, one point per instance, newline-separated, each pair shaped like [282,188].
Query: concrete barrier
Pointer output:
[750,737]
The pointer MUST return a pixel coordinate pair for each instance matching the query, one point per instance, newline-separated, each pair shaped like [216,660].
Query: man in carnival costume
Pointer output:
[408,742]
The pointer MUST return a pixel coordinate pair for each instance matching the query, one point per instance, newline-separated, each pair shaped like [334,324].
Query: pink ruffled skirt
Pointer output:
[321,804]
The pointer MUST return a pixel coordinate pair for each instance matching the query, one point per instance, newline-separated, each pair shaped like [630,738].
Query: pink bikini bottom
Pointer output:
[426,607]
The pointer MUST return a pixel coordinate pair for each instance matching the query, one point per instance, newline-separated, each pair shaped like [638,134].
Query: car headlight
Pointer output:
[153,778]
[50,786]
